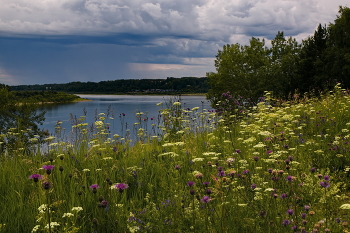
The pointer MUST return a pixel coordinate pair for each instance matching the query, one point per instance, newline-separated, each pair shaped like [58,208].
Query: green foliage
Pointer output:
[18,122]
[156,86]
[287,67]
[247,71]
[44,96]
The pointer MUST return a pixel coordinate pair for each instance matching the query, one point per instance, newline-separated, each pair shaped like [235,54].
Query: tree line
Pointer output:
[287,67]
[170,85]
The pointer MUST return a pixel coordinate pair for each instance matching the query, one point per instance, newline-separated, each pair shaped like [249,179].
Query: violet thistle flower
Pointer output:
[221,173]
[206,184]
[253,186]
[289,178]
[205,199]
[103,204]
[325,184]
[283,196]
[35,177]
[290,212]
[190,183]
[46,185]
[256,158]
[286,222]
[208,191]
[312,170]
[192,192]
[94,187]
[48,168]
[326,178]
[177,167]
[121,187]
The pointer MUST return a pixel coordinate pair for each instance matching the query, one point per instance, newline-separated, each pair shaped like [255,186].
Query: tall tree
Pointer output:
[339,47]
[313,64]
[240,70]
[283,65]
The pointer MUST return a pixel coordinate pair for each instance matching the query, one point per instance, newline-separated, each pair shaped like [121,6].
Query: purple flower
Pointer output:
[312,169]
[103,204]
[306,207]
[35,177]
[208,191]
[177,167]
[283,195]
[326,178]
[286,222]
[289,178]
[256,158]
[205,199]
[238,151]
[325,184]
[190,183]
[269,152]
[253,186]
[48,168]
[121,187]
[206,184]
[221,173]
[303,215]
[46,185]
[290,212]
[94,186]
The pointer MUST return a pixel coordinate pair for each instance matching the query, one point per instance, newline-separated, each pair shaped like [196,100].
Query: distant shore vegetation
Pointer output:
[170,85]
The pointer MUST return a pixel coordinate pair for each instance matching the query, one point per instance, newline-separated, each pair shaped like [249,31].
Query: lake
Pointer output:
[118,106]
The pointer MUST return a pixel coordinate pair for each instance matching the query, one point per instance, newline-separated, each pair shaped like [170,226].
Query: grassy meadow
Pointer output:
[272,168]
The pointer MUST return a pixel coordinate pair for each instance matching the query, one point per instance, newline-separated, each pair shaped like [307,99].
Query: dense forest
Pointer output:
[286,69]
[166,86]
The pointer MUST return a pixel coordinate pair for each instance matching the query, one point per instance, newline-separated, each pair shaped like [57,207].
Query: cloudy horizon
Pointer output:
[61,41]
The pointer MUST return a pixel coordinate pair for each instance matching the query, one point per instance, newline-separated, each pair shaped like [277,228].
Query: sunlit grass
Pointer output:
[280,168]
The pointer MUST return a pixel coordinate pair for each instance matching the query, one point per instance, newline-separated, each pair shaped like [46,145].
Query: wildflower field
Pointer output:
[276,167]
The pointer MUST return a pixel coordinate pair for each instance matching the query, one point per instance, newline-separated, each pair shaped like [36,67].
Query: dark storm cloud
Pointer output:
[91,40]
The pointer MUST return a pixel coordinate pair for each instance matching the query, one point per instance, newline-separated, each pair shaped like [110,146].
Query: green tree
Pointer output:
[313,63]
[283,65]
[250,70]
[18,121]
[241,70]
[339,47]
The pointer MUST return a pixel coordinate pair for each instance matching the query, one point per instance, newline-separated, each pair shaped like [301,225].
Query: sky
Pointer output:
[61,41]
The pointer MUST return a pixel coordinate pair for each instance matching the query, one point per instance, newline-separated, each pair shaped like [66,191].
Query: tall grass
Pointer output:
[278,169]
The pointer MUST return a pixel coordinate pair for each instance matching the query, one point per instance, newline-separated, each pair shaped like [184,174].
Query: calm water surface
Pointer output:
[127,105]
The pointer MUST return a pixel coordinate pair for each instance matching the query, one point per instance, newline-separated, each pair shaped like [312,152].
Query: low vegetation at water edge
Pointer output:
[270,168]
